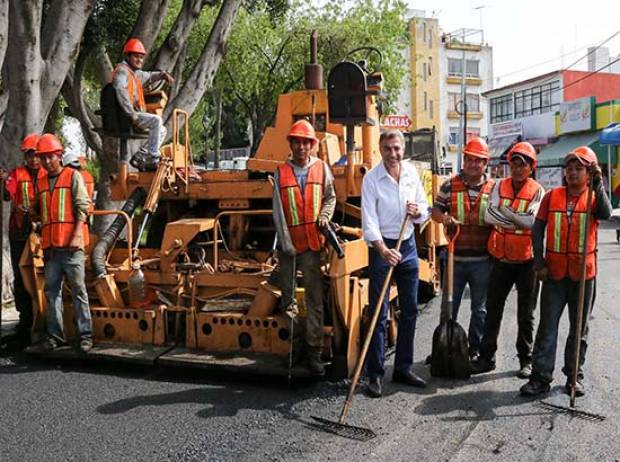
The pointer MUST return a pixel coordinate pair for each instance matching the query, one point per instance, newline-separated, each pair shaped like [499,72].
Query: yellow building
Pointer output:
[424,73]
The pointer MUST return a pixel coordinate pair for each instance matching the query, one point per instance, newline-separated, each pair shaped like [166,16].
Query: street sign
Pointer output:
[401,121]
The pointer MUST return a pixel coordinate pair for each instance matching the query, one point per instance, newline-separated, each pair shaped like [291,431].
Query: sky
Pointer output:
[529,37]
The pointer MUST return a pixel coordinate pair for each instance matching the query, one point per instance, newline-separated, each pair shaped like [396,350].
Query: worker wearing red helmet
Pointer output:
[304,199]
[463,200]
[20,188]
[129,81]
[561,217]
[512,210]
[62,203]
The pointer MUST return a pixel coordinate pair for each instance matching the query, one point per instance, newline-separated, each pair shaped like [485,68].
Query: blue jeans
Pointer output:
[59,262]
[476,274]
[406,277]
[555,295]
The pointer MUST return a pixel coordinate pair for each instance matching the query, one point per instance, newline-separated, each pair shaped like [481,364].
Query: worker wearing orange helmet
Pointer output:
[561,217]
[463,200]
[512,210]
[129,81]
[304,199]
[20,187]
[62,203]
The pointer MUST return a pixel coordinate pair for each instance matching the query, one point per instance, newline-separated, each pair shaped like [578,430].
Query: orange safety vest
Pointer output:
[89,181]
[461,207]
[133,84]
[24,196]
[57,219]
[302,211]
[514,244]
[565,237]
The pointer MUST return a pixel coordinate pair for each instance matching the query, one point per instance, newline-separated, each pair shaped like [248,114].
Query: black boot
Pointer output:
[315,364]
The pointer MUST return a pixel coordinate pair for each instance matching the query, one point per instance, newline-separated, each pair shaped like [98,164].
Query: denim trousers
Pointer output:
[406,276]
[157,132]
[503,277]
[555,295]
[59,263]
[476,274]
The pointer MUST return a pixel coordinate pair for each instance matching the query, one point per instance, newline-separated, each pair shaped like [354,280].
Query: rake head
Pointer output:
[346,431]
[585,415]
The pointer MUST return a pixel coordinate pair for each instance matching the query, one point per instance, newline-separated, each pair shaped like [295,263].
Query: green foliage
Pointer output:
[266,54]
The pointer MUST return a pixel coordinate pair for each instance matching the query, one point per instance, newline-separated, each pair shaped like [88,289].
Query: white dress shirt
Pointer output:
[384,202]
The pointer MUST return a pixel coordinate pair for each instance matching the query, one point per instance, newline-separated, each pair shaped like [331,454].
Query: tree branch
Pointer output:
[202,75]
[151,16]
[172,48]
[63,29]
[4,28]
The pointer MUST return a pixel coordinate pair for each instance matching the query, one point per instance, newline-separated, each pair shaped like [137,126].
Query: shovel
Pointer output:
[450,354]
[340,427]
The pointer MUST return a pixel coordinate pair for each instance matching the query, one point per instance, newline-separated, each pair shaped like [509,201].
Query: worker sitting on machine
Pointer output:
[303,200]
[129,81]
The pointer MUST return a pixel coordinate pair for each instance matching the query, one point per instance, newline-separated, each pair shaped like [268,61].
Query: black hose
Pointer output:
[105,242]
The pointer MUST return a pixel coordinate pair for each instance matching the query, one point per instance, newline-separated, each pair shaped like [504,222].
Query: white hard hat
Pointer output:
[70,159]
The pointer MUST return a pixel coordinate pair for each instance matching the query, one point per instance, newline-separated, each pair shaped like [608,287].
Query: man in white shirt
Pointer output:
[390,191]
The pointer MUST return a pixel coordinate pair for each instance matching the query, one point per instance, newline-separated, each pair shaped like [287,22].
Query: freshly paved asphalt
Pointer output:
[59,411]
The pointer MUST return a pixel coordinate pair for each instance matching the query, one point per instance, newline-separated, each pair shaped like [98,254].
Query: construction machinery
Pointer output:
[186,275]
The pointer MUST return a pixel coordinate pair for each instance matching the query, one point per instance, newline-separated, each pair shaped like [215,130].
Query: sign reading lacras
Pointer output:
[577,115]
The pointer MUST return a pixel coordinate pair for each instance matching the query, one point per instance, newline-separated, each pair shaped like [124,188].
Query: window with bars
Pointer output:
[501,108]
[537,100]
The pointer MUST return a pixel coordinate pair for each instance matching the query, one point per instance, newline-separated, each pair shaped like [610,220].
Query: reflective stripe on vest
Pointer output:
[302,211]
[465,213]
[133,84]
[57,218]
[24,195]
[566,236]
[514,245]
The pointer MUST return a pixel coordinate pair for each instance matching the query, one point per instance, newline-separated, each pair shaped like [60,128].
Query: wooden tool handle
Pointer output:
[371,329]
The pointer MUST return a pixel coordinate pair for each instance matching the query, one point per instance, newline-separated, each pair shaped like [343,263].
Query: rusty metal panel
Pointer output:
[127,326]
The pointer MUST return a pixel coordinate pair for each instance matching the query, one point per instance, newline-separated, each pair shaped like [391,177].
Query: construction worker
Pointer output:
[20,190]
[303,200]
[391,191]
[562,216]
[463,200]
[63,208]
[512,210]
[129,81]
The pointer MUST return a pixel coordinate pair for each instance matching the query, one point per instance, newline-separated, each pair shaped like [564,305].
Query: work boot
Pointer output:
[373,389]
[138,161]
[482,365]
[525,370]
[86,344]
[315,364]
[151,163]
[474,354]
[44,346]
[408,378]
[580,390]
[535,387]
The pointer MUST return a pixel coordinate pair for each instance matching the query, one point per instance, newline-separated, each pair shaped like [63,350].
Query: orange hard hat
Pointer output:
[523,149]
[30,142]
[583,154]
[477,147]
[134,45]
[49,144]
[302,129]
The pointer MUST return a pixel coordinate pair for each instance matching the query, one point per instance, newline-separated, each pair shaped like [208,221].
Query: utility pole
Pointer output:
[463,111]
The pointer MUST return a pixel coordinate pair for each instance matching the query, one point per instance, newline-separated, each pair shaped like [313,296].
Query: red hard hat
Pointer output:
[302,129]
[524,149]
[134,45]
[477,147]
[30,142]
[583,154]
[49,144]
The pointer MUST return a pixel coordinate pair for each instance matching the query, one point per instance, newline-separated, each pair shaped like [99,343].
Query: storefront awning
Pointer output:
[611,135]
[498,146]
[553,154]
